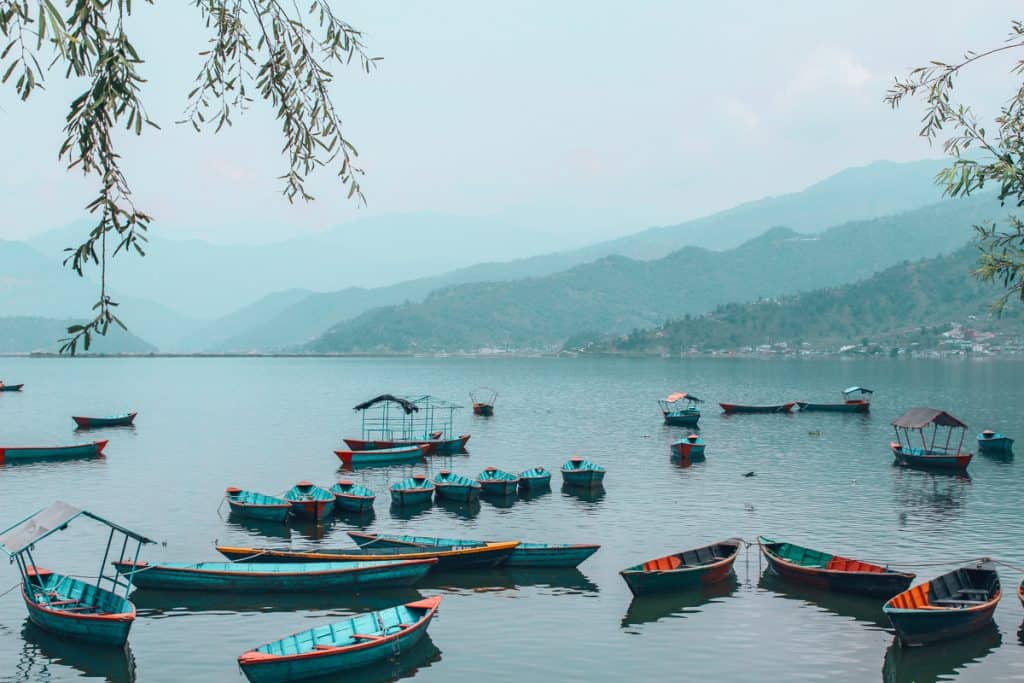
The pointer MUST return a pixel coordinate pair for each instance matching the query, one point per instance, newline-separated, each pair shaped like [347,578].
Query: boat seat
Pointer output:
[972,591]
[324,646]
[366,636]
[954,602]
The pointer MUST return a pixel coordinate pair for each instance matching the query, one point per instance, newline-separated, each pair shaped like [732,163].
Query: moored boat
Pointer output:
[582,473]
[483,399]
[994,442]
[10,387]
[449,557]
[930,455]
[832,572]
[390,421]
[731,408]
[436,445]
[257,505]
[689,450]
[416,490]
[310,502]
[948,606]
[342,646]
[497,482]
[352,497]
[399,455]
[451,486]
[855,400]
[524,555]
[680,409]
[687,569]
[13,454]
[536,479]
[123,420]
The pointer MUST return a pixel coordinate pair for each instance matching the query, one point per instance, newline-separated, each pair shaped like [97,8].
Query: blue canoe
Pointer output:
[257,505]
[535,479]
[275,577]
[524,555]
[451,486]
[309,501]
[350,644]
[75,609]
[123,420]
[416,490]
[582,473]
[994,442]
[11,454]
[352,497]
[498,482]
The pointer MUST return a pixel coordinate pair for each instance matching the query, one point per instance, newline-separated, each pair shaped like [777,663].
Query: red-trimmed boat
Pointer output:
[483,399]
[495,482]
[687,569]
[436,444]
[930,455]
[860,404]
[1020,591]
[400,455]
[123,420]
[680,409]
[733,408]
[469,556]
[10,387]
[14,454]
[688,451]
[390,421]
[257,505]
[309,501]
[832,572]
[351,497]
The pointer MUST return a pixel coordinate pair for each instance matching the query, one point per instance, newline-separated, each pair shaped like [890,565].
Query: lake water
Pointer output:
[265,423]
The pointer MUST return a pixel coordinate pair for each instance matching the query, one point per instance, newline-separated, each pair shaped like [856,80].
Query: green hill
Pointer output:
[25,334]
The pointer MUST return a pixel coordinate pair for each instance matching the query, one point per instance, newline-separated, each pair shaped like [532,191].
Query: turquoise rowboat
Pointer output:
[257,505]
[582,473]
[331,649]
[485,555]
[688,451]
[12,454]
[685,570]
[451,486]
[10,387]
[536,479]
[525,554]
[304,577]
[994,442]
[123,420]
[310,502]
[416,490]
[402,455]
[498,482]
[351,497]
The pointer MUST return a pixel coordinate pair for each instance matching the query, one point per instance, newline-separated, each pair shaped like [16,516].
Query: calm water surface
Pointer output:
[264,424]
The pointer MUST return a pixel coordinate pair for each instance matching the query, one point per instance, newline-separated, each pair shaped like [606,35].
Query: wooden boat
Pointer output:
[63,605]
[416,490]
[535,479]
[689,450]
[497,482]
[390,421]
[249,577]
[257,505]
[524,554]
[125,420]
[855,400]
[994,442]
[310,502]
[688,569]
[449,557]
[352,497]
[929,455]
[10,387]
[832,572]
[452,486]
[483,399]
[12,454]
[732,408]
[582,473]
[435,446]
[680,409]
[384,456]
[948,606]
[350,644]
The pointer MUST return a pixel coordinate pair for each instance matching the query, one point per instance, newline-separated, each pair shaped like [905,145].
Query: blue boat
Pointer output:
[123,420]
[451,486]
[257,505]
[581,473]
[66,606]
[239,577]
[935,454]
[688,451]
[334,648]
[994,442]
[536,479]
[680,409]
[310,502]
[416,490]
[525,554]
[10,387]
[14,454]
[402,455]
[495,482]
[352,497]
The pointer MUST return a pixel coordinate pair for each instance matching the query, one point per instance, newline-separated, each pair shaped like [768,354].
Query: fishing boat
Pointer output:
[948,606]
[449,557]
[687,569]
[855,400]
[680,409]
[451,486]
[929,455]
[1020,591]
[352,497]
[994,442]
[13,454]
[257,505]
[123,420]
[416,490]
[248,577]
[400,455]
[536,479]
[10,387]
[310,502]
[390,421]
[689,450]
[342,646]
[96,611]
[582,473]
[483,399]
[733,408]
[832,572]
[495,482]
[550,555]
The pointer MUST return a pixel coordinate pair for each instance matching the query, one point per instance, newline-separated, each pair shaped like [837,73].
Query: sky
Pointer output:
[611,116]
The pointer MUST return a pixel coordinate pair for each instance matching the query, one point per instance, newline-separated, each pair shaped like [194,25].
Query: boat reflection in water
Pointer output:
[500,501]
[411,511]
[263,528]
[407,664]
[356,520]
[529,495]
[938,662]
[590,495]
[862,608]
[550,581]
[40,650]
[930,494]
[646,609]
[459,508]
[309,529]
[159,604]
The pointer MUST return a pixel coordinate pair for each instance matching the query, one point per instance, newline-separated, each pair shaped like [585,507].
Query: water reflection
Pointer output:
[156,604]
[411,511]
[1003,457]
[646,609]
[40,649]
[930,493]
[358,520]
[939,661]
[589,495]
[529,495]
[862,608]
[458,508]
[313,531]
[560,581]
[407,664]
[257,526]
[500,501]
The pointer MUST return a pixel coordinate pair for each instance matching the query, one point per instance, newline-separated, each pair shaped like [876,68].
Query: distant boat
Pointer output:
[498,482]
[391,421]
[124,420]
[687,569]
[689,450]
[536,479]
[416,490]
[384,456]
[352,497]
[350,644]
[832,572]
[483,399]
[309,501]
[731,408]
[994,442]
[930,455]
[451,486]
[475,556]
[257,505]
[10,387]
[861,404]
[680,409]
[949,606]
[14,454]
[549,555]
[582,473]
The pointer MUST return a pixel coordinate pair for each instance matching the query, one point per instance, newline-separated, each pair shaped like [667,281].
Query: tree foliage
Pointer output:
[268,50]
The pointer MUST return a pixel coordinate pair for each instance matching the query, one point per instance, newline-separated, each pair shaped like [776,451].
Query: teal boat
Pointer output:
[451,486]
[10,387]
[97,612]
[994,442]
[310,502]
[536,479]
[351,497]
[402,455]
[497,482]
[416,490]
[257,505]
[304,577]
[15,454]
[343,646]
[581,473]
[123,420]
[525,554]
[680,409]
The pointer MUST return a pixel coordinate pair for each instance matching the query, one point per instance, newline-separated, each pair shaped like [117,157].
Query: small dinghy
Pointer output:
[451,486]
[994,442]
[257,505]
[536,479]
[688,451]
[832,572]
[310,502]
[580,473]
[732,408]
[680,571]
[351,497]
[476,556]
[483,399]
[10,387]
[14,454]
[855,400]
[123,420]
[497,482]
[402,455]
[416,490]
[524,554]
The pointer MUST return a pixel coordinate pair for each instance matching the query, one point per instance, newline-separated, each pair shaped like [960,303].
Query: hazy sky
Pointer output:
[613,115]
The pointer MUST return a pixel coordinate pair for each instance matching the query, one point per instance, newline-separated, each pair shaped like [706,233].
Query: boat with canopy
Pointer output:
[934,454]
[483,399]
[855,400]
[390,421]
[680,409]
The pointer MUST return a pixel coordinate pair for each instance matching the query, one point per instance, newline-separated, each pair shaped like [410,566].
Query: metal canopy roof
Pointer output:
[49,520]
[862,390]
[918,418]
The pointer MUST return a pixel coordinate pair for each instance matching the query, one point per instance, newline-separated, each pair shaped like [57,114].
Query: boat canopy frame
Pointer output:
[485,395]
[669,403]
[423,418]
[863,394]
[918,419]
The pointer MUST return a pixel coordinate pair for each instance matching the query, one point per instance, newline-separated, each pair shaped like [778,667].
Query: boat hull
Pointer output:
[535,483]
[29,453]
[437,446]
[686,453]
[882,585]
[583,478]
[956,462]
[98,422]
[463,493]
[483,409]
[478,557]
[383,456]
[732,408]
[109,629]
[499,488]
[269,513]
[411,497]
[347,503]
[11,387]
[658,576]
[313,509]
[919,627]
[999,445]
[682,419]
[544,555]
[851,407]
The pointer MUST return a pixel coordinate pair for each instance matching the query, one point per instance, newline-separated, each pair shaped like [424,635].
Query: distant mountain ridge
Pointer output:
[27,334]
